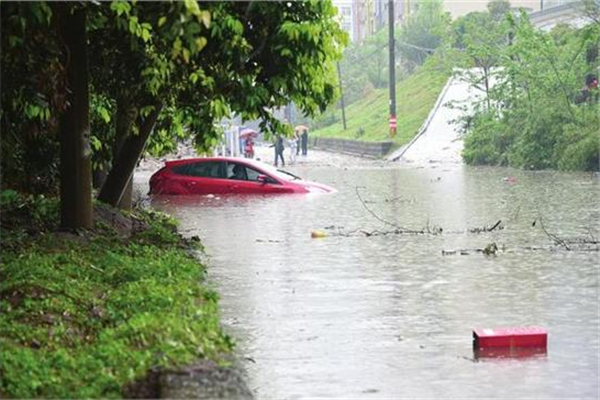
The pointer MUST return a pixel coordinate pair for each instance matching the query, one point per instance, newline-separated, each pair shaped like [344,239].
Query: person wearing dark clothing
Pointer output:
[239,173]
[304,140]
[298,141]
[279,150]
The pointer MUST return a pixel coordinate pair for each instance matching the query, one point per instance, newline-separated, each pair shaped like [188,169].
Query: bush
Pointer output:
[486,142]
[580,146]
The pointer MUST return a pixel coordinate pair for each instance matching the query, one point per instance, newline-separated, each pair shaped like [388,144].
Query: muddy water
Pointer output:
[391,316]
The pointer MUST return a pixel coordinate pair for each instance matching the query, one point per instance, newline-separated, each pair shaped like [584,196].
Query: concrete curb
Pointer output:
[352,147]
[399,153]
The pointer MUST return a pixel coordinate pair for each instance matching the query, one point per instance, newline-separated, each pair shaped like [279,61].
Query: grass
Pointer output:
[367,119]
[85,315]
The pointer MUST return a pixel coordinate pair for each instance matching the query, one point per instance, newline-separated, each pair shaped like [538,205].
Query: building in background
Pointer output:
[346,16]
[458,8]
[362,18]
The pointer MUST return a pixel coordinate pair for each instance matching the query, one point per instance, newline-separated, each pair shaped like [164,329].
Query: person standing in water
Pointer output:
[279,150]
[293,143]
[304,139]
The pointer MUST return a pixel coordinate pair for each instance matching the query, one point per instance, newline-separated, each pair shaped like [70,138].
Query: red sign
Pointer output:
[392,121]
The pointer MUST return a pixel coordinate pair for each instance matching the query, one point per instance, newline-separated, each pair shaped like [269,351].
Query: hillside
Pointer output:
[415,96]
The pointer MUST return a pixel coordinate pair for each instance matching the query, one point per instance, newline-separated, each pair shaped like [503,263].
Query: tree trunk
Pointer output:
[486,79]
[125,163]
[126,201]
[126,115]
[75,151]
[98,178]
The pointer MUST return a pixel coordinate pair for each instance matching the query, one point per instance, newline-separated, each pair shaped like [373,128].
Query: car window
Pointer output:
[211,169]
[252,174]
[243,172]
[280,174]
[181,169]
[236,171]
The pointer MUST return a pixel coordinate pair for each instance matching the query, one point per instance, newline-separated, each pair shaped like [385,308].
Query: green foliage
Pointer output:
[487,142]
[579,147]
[364,66]
[40,212]
[102,110]
[424,31]
[529,118]
[163,228]
[31,97]
[83,321]
[498,9]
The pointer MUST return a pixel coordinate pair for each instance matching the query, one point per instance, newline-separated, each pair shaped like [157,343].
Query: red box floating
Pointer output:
[509,337]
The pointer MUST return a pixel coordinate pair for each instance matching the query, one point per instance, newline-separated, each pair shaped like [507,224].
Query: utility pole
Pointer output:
[391,46]
[341,94]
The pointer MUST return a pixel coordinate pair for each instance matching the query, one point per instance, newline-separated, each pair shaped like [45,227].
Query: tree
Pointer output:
[75,151]
[32,97]
[484,40]
[423,32]
[498,9]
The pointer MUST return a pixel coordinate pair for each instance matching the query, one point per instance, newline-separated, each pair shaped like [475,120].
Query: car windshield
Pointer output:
[278,173]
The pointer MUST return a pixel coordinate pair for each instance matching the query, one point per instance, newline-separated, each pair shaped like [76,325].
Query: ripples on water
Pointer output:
[390,316]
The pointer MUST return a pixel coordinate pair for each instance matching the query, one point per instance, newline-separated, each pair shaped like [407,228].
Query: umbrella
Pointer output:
[248,133]
[301,128]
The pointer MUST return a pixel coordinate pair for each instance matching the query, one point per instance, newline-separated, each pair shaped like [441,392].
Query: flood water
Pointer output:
[391,316]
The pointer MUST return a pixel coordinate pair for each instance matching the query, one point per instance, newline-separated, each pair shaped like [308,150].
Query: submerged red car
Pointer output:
[222,175]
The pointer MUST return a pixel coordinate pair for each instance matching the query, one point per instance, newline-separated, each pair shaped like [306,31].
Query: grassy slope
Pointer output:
[415,96]
[84,315]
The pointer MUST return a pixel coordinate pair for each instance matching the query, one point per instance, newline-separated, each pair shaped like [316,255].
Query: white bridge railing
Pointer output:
[571,13]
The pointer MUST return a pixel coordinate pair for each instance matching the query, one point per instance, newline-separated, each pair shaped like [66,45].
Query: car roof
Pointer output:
[219,159]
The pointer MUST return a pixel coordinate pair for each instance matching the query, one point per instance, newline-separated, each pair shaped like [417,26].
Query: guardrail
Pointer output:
[553,15]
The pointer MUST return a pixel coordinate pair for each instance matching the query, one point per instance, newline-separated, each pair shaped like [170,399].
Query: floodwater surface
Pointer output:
[364,314]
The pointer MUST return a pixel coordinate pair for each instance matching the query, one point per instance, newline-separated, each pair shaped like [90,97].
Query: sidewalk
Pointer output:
[315,158]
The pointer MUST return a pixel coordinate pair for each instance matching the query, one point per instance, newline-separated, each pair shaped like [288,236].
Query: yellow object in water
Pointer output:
[317,234]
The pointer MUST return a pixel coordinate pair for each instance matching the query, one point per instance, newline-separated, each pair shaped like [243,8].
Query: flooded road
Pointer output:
[390,316]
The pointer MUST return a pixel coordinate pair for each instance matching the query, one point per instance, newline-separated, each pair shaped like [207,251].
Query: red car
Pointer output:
[221,175]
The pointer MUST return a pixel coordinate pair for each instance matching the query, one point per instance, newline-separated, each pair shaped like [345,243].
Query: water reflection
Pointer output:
[391,316]
[495,354]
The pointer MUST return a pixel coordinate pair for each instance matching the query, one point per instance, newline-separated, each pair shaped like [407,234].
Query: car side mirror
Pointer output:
[262,179]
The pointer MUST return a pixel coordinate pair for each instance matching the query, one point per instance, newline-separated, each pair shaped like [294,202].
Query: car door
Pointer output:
[247,182]
[205,177]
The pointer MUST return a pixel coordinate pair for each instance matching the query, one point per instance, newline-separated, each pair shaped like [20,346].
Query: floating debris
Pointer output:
[318,234]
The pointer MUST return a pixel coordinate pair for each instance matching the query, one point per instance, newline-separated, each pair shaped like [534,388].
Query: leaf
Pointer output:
[192,7]
[205,16]
[145,111]
[161,21]
[176,48]
[120,7]
[201,43]
[133,24]
[105,115]
[146,35]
